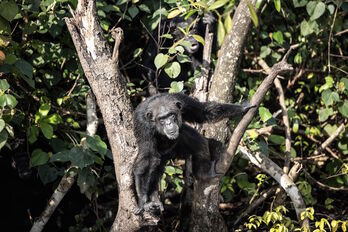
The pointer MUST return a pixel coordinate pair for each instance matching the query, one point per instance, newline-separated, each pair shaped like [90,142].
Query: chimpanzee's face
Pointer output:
[167,119]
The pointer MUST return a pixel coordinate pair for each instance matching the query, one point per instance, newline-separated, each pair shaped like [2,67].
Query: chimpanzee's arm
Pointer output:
[195,111]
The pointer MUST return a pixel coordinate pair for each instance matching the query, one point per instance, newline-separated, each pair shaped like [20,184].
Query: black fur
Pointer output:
[161,135]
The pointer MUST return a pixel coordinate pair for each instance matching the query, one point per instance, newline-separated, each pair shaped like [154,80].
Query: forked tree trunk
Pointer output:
[100,66]
[205,210]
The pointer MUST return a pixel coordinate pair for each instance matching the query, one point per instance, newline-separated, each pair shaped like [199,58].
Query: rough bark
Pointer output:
[102,72]
[206,193]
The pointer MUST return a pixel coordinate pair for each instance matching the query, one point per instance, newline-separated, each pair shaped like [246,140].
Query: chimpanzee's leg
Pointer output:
[191,142]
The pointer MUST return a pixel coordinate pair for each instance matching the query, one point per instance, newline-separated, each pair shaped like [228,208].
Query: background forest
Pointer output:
[43,111]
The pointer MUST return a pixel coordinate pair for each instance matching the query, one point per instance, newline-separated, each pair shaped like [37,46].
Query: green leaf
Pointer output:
[345,83]
[253,14]
[220,32]
[38,157]
[47,174]
[172,69]
[86,180]
[62,156]
[10,59]
[329,97]
[170,170]
[343,109]
[8,10]
[144,8]
[54,119]
[137,52]
[3,138]
[265,51]
[44,109]
[315,9]
[180,49]
[160,60]
[4,85]
[174,13]
[46,129]
[299,3]
[277,139]
[176,87]
[8,100]
[278,36]
[228,23]
[277,5]
[199,39]
[2,124]
[306,28]
[96,144]
[32,133]
[5,29]
[25,68]
[325,113]
[133,11]
[330,129]
[80,158]
[265,114]
[296,125]
[182,58]
[217,4]
[329,82]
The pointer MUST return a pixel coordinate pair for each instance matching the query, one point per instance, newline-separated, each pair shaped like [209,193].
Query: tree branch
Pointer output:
[271,168]
[280,90]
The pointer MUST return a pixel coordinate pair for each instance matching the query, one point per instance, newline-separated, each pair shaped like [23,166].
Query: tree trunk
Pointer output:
[205,214]
[101,69]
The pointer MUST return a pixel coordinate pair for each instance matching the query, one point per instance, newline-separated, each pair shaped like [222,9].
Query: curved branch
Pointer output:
[280,90]
[271,168]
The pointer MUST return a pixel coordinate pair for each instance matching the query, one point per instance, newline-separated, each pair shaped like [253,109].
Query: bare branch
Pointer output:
[271,168]
[117,34]
[329,140]
[227,157]
[324,186]
[280,90]
[330,36]
[202,83]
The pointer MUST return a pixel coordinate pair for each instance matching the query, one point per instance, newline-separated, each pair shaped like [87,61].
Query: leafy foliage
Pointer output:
[42,97]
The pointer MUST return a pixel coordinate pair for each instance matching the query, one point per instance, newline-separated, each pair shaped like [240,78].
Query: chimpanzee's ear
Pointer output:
[179,104]
[149,115]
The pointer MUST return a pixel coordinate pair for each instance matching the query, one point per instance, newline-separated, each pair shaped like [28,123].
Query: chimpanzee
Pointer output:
[194,51]
[162,134]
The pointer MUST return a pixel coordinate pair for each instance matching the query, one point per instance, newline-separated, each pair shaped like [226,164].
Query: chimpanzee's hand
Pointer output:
[247,106]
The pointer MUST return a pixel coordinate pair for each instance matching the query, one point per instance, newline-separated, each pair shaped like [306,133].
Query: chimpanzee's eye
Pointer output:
[172,116]
[162,121]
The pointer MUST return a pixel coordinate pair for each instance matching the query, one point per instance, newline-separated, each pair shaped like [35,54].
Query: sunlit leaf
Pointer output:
[220,33]
[172,69]
[253,14]
[160,60]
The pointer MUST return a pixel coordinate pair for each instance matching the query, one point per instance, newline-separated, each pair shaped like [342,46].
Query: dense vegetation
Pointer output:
[42,100]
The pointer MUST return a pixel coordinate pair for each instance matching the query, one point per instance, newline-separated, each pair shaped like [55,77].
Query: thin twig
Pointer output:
[329,140]
[330,36]
[341,32]
[324,186]
[117,34]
